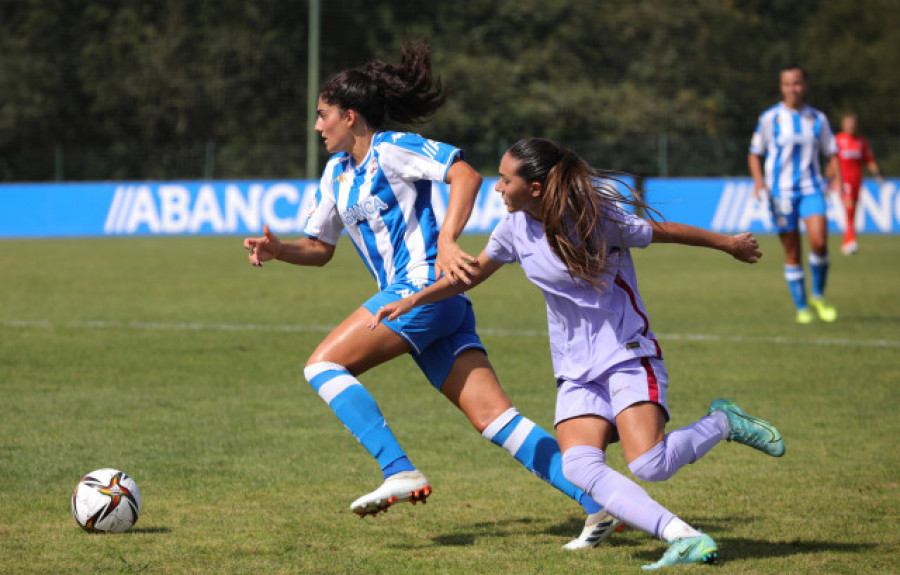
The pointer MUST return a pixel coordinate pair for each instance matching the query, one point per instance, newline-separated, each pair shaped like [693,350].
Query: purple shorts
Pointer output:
[634,381]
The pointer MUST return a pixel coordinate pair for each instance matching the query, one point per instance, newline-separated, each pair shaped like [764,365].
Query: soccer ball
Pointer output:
[106,500]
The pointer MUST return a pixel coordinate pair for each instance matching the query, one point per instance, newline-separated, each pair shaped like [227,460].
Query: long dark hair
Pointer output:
[575,199]
[407,93]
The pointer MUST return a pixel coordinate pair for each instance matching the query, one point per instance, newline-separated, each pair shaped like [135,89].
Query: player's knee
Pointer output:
[650,470]
[653,465]
[489,419]
[314,370]
[585,467]
[491,423]
[571,471]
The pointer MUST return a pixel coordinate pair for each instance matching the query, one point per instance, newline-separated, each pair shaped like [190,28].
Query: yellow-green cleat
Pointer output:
[825,310]
[688,551]
[749,430]
[804,316]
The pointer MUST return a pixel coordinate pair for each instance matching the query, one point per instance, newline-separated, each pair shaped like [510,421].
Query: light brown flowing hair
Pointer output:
[575,199]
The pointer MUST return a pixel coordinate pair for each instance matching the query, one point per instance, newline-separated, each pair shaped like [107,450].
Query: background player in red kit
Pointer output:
[854,152]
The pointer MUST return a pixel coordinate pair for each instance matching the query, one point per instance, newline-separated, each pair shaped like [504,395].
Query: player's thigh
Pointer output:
[589,430]
[472,386]
[641,426]
[356,347]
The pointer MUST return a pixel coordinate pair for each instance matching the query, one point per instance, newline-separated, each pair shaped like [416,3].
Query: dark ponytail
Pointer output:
[406,93]
[574,200]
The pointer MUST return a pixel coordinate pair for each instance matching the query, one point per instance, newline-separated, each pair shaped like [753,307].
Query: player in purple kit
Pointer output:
[568,231]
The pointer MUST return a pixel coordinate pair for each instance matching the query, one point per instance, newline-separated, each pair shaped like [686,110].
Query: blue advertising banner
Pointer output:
[729,206]
[242,207]
[178,208]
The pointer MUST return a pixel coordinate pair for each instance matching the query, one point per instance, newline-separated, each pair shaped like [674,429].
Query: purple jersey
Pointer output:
[590,331]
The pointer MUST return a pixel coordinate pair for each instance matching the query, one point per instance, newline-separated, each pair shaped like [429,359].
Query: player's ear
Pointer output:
[536,189]
[350,116]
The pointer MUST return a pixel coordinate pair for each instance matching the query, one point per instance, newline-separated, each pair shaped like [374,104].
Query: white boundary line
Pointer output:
[142,325]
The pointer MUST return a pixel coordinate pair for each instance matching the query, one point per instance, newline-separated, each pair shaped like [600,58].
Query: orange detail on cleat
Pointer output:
[620,528]
[420,494]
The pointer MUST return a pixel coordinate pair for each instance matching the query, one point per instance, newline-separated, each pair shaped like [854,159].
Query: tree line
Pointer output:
[104,89]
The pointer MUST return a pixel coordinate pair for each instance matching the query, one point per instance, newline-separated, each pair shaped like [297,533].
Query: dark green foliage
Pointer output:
[132,90]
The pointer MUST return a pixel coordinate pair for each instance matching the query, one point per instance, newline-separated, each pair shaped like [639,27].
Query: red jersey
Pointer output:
[854,153]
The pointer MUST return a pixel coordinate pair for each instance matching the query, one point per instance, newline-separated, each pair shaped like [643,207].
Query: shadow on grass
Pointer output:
[738,548]
[573,527]
[566,530]
[149,530]
[479,531]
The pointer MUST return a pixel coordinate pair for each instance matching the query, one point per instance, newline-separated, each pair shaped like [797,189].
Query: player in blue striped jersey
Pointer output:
[377,186]
[791,136]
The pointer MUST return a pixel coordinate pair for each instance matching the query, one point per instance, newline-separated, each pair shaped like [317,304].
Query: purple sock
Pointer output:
[586,467]
[677,449]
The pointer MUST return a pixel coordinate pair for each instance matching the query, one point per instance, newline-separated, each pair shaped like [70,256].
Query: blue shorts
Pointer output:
[438,332]
[787,212]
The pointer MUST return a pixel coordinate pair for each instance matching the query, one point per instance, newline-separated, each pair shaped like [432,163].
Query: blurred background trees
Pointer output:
[103,89]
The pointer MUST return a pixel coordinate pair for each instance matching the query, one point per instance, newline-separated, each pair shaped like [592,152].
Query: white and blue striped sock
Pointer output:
[537,450]
[357,410]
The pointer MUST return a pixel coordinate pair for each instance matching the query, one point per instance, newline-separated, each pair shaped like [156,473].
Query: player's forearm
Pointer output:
[675,233]
[464,185]
[440,290]
[443,288]
[305,252]
[834,167]
[755,164]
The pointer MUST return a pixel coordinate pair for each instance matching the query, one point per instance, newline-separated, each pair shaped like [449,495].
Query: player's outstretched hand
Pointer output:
[390,311]
[761,193]
[264,248]
[744,247]
[453,262]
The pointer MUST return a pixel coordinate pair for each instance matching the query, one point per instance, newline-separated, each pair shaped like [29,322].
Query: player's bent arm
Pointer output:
[445,287]
[441,289]
[464,184]
[743,246]
[306,252]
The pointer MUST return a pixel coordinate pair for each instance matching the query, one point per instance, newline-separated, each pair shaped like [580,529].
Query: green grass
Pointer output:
[174,360]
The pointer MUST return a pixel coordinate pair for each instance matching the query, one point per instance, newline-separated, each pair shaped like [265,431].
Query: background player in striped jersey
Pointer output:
[854,152]
[790,136]
[572,240]
[377,186]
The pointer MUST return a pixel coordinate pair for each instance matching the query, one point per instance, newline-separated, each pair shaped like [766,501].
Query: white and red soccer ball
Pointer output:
[106,501]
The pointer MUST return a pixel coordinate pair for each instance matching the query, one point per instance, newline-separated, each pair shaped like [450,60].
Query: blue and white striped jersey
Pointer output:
[385,205]
[791,141]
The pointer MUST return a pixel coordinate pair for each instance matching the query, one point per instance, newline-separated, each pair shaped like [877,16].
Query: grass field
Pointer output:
[176,361]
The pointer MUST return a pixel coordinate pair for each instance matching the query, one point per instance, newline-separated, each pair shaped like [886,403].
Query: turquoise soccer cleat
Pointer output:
[688,551]
[749,430]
